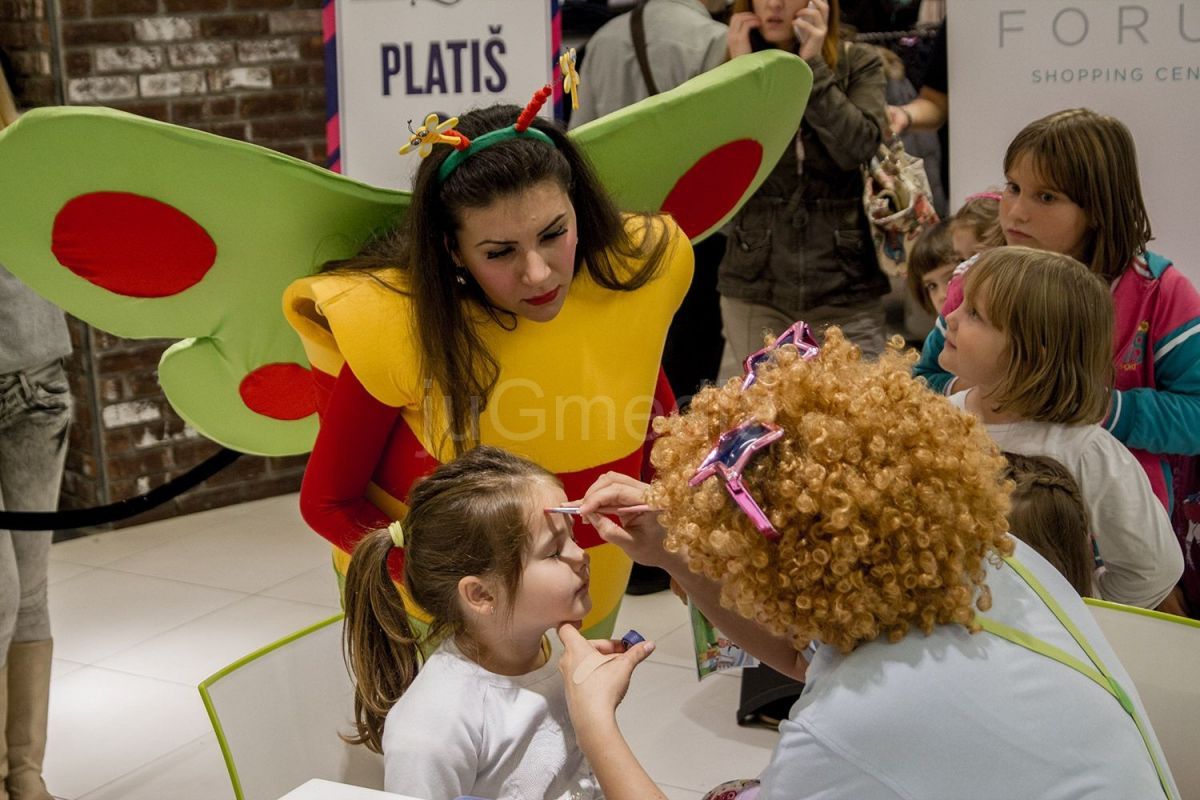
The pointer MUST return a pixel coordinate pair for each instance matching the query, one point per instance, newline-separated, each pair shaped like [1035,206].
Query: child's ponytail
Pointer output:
[381,649]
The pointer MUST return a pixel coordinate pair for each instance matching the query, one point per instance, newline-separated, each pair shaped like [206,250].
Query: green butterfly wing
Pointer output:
[148,230]
[104,214]
[700,150]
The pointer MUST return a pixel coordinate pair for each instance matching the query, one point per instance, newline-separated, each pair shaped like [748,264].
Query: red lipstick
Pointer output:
[543,299]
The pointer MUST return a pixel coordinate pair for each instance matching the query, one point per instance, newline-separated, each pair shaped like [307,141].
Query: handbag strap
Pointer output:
[637,27]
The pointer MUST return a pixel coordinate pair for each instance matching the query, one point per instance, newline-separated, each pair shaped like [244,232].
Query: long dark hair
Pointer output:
[470,516]
[453,354]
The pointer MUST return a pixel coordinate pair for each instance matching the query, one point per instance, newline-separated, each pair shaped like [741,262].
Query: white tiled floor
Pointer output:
[142,615]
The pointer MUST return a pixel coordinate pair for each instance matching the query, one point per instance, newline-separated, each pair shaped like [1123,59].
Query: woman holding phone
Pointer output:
[801,247]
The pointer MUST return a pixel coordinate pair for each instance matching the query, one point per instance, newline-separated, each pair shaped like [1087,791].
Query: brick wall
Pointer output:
[126,439]
[246,69]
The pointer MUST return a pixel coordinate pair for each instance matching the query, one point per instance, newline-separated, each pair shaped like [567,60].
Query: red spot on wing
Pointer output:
[279,391]
[131,245]
[713,185]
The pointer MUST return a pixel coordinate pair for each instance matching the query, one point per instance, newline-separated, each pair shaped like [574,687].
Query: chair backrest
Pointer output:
[277,714]
[1160,652]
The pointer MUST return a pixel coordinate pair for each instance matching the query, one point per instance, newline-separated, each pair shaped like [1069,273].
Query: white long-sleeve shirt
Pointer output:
[1142,558]
[461,730]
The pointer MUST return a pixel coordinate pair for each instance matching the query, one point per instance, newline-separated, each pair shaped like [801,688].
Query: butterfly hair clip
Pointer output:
[434,131]
[570,78]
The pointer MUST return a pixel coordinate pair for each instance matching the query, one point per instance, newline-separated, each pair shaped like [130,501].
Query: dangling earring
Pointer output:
[459,277]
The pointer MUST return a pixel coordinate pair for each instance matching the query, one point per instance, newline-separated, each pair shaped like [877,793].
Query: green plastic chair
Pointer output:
[277,713]
[1161,653]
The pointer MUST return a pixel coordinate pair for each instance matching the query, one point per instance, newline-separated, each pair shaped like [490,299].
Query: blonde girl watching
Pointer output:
[1032,339]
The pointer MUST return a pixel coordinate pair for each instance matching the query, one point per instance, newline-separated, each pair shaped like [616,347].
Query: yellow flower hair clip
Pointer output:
[566,64]
[431,133]
[396,531]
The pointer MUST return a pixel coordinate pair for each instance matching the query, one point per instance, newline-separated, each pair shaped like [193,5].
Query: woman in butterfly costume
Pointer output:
[517,307]
[168,253]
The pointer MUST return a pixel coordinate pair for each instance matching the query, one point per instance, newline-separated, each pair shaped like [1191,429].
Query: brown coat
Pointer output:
[802,240]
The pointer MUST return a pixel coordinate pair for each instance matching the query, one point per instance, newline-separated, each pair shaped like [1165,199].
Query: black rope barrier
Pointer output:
[122,509]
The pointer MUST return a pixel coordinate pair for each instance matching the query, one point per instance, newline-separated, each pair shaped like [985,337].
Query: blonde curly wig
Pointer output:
[888,500]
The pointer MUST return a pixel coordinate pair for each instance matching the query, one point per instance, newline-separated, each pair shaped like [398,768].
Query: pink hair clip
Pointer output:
[984,196]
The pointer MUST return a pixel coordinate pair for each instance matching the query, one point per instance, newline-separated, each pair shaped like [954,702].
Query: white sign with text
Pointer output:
[1013,61]
[399,60]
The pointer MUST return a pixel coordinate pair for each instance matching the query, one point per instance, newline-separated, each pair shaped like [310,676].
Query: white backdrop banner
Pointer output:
[1013,61]
[399,60]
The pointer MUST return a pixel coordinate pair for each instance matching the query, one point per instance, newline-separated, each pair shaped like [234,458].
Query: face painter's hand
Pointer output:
[596,678]
[639,534]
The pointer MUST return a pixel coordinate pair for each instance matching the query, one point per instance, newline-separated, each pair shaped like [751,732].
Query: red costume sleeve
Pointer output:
[664,405]
[354,431]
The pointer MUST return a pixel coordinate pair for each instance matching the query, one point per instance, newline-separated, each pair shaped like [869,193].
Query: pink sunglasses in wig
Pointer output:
[737,447]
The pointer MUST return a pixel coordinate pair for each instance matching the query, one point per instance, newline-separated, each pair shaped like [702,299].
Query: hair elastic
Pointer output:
[396,530]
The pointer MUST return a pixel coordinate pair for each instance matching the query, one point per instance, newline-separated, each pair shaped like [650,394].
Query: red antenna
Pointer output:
[463,141]
[530,111]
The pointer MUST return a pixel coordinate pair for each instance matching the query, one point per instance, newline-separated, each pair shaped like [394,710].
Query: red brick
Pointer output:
[25,35]
[287,128]
[123,8]
[80,33]
[230,130]
[79,436]
[123,489]
[79,63]
[118,345]
[158,111]
[286,464]
[298,150]
[246,468]
[121,362]
[312,48]
[141,464]
[183,456]
[314,100]
[269,104]
[78,492]
[241,25]
[290,76]
[36,93]
[138,385]
[221,107]
[176,6]
[31,62]
[261,5]
[73,9]
[185,112]
[121,440]
[284,484]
